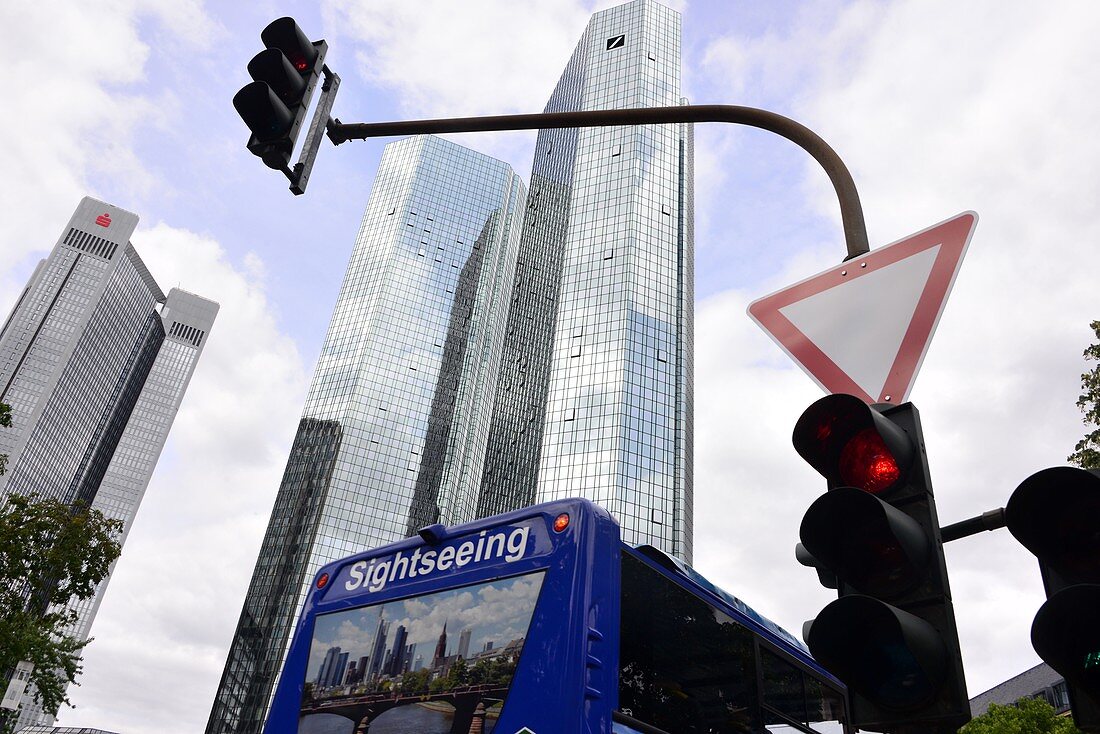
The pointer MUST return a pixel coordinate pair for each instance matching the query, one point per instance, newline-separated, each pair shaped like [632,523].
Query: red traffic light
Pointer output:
[275,104]
[285,35]
[891,635]
[852,445]
[866,462]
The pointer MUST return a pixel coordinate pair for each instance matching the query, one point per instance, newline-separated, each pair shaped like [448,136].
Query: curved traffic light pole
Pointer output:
[851,212]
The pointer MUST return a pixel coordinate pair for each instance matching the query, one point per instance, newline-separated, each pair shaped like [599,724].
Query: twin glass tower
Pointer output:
[494,346]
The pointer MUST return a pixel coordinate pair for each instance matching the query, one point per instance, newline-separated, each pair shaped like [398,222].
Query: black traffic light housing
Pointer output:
[1055,514]
[891,634]
[275,103]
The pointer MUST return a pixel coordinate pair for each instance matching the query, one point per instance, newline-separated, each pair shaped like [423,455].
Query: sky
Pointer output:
[936,106]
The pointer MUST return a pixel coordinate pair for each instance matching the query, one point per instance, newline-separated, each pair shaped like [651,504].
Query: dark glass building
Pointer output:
[94,361]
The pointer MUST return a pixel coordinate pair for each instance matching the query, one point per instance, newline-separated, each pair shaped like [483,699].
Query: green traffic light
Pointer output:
[1092,660]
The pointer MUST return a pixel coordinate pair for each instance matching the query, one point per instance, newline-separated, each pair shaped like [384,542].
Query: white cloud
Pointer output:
[442,59]
[439,59]
[72,112]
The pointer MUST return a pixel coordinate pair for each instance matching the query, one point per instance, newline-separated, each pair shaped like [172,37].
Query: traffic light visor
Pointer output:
[272,67]
[1055,514]
[1068,639]
[285,35]
[262,110]
[873,547]
[851,444]
[893,658]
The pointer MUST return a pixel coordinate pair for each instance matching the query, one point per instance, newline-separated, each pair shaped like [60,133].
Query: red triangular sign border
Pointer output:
[952,235]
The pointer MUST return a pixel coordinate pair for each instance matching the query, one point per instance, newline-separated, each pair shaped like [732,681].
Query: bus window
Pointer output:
[782,690]
[685,666]
[427,664]
[792,695]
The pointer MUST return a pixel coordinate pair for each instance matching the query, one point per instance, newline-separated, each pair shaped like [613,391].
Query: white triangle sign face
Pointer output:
[864,327]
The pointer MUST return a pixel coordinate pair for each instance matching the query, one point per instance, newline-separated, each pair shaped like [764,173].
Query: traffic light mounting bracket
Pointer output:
[299,176]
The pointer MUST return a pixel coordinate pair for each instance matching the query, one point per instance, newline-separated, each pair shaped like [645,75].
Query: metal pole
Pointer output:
[990,520]
[851,212]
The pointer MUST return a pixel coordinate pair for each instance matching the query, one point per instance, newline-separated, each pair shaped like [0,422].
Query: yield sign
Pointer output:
[863,327]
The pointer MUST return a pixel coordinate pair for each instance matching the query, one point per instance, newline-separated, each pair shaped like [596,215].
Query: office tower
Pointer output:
[324,674]
[440,648]
[594,397]
[340,669]
[378,653]
[94,361]
[392,437]
[397,663]
[464,643]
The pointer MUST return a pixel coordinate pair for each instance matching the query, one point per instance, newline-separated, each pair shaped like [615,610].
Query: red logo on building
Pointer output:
[103,220]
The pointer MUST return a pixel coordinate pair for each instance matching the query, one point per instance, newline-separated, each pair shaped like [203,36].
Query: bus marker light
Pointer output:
[322,581]
[561,522]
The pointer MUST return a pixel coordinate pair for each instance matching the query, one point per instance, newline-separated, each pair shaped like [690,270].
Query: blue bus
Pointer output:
[540,621]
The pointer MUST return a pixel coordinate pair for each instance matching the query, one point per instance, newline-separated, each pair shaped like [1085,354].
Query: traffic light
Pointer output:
[274,105]
[1055,514]
[890,636]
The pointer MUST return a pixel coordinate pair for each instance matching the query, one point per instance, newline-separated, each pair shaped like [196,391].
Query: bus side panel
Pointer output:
[283,716]
[567,677]
[601,694]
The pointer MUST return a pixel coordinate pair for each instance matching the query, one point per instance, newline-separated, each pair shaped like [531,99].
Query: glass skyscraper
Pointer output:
[596,383]
[94,361]
[396,422]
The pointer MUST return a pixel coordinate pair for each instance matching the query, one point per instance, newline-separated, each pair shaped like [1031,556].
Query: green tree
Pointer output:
[1026,716]
[416,681]
[50,553]
[481,672]
[1087,452]
[459,674]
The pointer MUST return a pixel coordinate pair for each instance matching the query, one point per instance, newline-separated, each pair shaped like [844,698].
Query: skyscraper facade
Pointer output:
[94,361]
[595,395]
[394,430]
